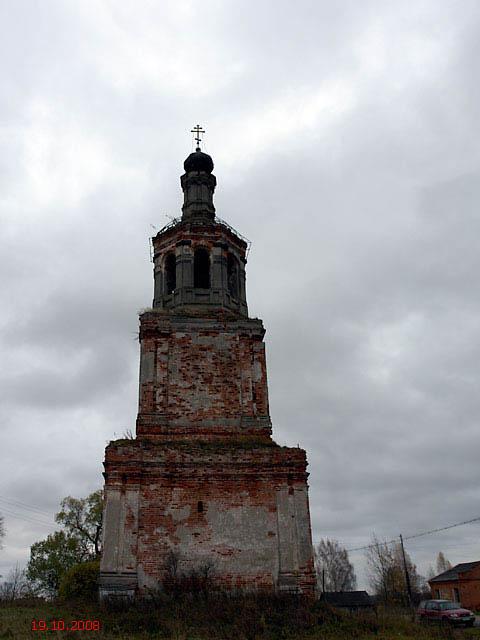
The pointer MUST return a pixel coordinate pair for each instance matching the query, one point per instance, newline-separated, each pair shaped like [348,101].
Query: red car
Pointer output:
[445,611]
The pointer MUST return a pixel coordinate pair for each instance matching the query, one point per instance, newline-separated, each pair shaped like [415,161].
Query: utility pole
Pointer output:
[323,580]
[407,577]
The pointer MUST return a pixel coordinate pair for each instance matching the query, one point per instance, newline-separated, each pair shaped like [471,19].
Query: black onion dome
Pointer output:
[198,161]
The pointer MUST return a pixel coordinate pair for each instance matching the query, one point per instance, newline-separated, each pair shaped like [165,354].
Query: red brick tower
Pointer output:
[203,478]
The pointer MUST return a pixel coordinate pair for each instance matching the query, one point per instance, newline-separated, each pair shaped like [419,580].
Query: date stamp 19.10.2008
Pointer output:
[61,625]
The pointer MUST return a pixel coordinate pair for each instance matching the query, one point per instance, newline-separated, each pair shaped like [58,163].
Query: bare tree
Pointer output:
[15,586]
[442,563]
[334,570]
[2,530]
[171,571]
[196,580]
[386,572]
[431,572]
[381,569]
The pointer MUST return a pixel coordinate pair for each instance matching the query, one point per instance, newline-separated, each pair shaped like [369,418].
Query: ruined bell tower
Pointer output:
[203,477]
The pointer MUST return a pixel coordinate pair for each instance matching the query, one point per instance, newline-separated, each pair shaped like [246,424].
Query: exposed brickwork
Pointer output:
[202,377]
[465,588]
[237,486]
[204,478]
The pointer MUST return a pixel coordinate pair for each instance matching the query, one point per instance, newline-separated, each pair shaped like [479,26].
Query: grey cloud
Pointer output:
[363,213]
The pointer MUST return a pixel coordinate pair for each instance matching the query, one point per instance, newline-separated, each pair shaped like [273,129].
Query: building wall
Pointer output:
[181,240]
[203,426]
[253,528]
[202,377]
[204,436]
[468,588]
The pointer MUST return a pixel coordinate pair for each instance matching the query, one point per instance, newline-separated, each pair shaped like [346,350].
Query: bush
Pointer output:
[196,581]
[81,581]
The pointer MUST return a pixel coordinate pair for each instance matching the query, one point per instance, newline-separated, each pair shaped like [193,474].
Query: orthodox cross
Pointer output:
[199,131]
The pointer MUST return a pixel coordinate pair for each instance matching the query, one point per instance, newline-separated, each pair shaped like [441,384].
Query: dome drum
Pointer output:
[200,266]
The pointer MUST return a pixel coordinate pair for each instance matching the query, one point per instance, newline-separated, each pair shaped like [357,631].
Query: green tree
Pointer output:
[81,581]
[50,558]
[82,518]
[333,567]
[79,542]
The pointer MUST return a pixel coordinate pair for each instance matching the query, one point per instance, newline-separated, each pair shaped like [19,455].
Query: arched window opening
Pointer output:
[200,506]
[170,273]
[201,269]
[232,275]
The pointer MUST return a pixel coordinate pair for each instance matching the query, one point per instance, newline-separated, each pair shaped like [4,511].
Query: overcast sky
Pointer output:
[346,143]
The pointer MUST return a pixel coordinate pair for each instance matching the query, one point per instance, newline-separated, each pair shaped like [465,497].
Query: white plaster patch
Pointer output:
[180,514]
[256,371]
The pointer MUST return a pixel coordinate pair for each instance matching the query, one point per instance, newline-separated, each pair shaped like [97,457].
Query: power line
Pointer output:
[370,546]
[456,545]
[25,505]
[418,535]
[451,526]
[24,517]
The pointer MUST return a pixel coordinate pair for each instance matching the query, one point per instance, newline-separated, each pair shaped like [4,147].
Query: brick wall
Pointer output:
[468,586]
[242,510]
[203,478]
[202,377]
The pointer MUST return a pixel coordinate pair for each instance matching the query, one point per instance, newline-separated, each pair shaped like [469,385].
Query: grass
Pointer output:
[220,618]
